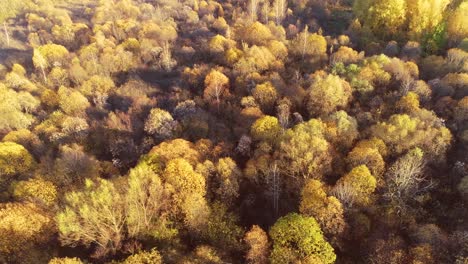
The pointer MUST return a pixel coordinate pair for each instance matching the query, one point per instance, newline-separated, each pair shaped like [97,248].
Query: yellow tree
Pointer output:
[14,160]
[266,128]
[216,87]
[93,216]
[298,239]
[23,225]
[187,189]
[304,153]
[456,25]
[356,187]
[326,94]
[327,210]
[424,16]
[259,247]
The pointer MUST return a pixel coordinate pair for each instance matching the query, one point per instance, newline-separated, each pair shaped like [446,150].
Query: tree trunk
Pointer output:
[6,33]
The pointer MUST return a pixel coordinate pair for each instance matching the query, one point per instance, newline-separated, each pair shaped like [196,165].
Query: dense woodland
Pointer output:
[234,131]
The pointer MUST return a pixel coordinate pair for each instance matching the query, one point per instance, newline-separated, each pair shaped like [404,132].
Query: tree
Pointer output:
[216,87]
[187,189]
[65,261]
[259,247]
[266,128]
[14,160]
[403,132]
[145,199]
[265,94]
[48,56]
[160,123]
[303,151]
[384,18]
[456,26]
[72,102]
[368,156]
[327,210]
[15,109]
[342,129]
[23,225]
[356,187]
[228,177]
[9,10]
[405,178]
[326,94]
[424,16]
[297,238]
[144,257]
[280,7]
[73,165]
[93,216]
[98,87]
[36,190]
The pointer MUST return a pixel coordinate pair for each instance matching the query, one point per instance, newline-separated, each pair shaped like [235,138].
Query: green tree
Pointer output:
[298,238]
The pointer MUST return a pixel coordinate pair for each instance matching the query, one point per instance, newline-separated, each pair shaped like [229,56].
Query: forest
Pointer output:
[234,131]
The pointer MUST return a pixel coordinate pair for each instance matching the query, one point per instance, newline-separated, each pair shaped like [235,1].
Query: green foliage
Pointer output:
[298,238]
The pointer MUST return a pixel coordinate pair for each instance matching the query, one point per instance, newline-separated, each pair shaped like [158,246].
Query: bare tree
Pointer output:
[280,7]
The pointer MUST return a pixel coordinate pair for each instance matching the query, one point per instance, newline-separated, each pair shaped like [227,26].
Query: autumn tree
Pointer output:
[145,257]
[65,261]
[327,210]
[266,128]
[456,27]
[406,179]
[187,188]
[216,87]
[36,190]
[73,165]
[228,177]
[23,225]
[16,109]
[9,10]
[257,241]
[304,152]
[160,123]
[47,56]
[14,160]
[298,238]
[384,18]
[93,216]
[356,187]
[145,199]
[265,94]
[326,94]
